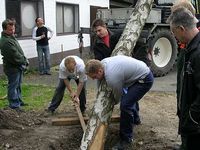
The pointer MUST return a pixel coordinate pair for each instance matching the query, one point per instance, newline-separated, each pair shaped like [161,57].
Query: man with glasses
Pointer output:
[183,25]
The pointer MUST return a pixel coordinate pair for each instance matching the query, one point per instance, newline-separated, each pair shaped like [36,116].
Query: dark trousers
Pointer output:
[190,142]
[128,104]
[193,142]
[59,93]
[136,108]
[136,112]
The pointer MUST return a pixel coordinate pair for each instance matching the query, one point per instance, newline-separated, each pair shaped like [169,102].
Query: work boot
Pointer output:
[123,145]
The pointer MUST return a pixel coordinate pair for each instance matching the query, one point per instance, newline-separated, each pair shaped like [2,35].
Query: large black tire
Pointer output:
[163,48]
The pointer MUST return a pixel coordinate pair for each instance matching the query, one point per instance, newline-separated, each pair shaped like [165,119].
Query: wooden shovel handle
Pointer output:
[80,116]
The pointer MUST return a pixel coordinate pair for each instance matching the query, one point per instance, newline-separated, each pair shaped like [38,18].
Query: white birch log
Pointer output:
[95,134]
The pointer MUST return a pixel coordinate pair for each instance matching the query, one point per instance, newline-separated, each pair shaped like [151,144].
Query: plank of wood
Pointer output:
[99,140]
[68,121]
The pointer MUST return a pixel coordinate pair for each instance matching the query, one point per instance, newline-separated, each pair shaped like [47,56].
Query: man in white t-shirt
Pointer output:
[71,67]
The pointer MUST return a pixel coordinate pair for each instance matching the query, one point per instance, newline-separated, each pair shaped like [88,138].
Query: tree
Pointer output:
[95,134]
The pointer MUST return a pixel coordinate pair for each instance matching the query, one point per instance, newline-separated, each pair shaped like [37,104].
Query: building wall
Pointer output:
[61,43]
[2,17]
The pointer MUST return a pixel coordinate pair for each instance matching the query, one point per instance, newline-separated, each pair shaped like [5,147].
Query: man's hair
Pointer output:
[184,3]
[92,66]
[98,22]
[182,17]
[7,22]
[69,60]
[36,19]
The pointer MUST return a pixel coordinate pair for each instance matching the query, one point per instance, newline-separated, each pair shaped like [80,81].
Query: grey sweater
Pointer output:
[122,72]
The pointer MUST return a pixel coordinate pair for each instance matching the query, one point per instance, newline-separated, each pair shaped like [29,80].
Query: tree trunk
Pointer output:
[95,134]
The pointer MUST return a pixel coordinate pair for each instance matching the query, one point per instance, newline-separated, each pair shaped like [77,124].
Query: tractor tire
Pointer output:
[163,48]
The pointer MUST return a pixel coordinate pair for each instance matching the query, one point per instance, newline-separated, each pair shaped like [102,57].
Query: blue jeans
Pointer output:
[128,105]
[43,58]
[59,93]
[14,87]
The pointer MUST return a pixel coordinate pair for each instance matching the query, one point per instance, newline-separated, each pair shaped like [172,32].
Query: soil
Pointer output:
[34,130]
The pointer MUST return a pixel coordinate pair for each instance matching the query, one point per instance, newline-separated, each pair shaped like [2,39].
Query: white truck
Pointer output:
[156,37]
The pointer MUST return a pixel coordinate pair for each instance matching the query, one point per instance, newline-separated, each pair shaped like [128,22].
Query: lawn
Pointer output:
[36,96]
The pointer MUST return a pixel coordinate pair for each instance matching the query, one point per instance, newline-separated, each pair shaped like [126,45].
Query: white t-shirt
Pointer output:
[79,72]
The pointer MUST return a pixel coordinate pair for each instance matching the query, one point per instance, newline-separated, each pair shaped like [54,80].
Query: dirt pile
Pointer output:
[11,119]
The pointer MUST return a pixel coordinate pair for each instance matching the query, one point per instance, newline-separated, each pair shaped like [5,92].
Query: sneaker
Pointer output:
[123,145]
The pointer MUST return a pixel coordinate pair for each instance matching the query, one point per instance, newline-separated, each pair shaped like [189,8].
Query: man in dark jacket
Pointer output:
[180,58]
[183,25]
[14,63]
[105,42]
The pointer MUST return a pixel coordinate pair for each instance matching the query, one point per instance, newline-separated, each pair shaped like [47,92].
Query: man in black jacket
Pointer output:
[183,25]
[105,40]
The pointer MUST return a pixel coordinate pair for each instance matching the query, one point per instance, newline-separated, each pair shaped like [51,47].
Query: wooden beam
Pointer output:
[68,121]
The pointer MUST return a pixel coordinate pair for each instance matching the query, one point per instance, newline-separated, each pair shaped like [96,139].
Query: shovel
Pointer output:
[80,115]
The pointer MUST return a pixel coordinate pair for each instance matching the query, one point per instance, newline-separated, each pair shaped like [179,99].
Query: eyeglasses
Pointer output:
[174,29]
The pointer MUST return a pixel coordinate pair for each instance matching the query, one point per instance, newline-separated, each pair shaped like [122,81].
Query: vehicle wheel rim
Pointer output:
[162,52]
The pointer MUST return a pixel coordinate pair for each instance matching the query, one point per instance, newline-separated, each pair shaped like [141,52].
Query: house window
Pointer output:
[67,20]
[24,12]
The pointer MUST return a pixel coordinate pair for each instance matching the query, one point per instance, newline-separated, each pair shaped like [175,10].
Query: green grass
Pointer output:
[36,96]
